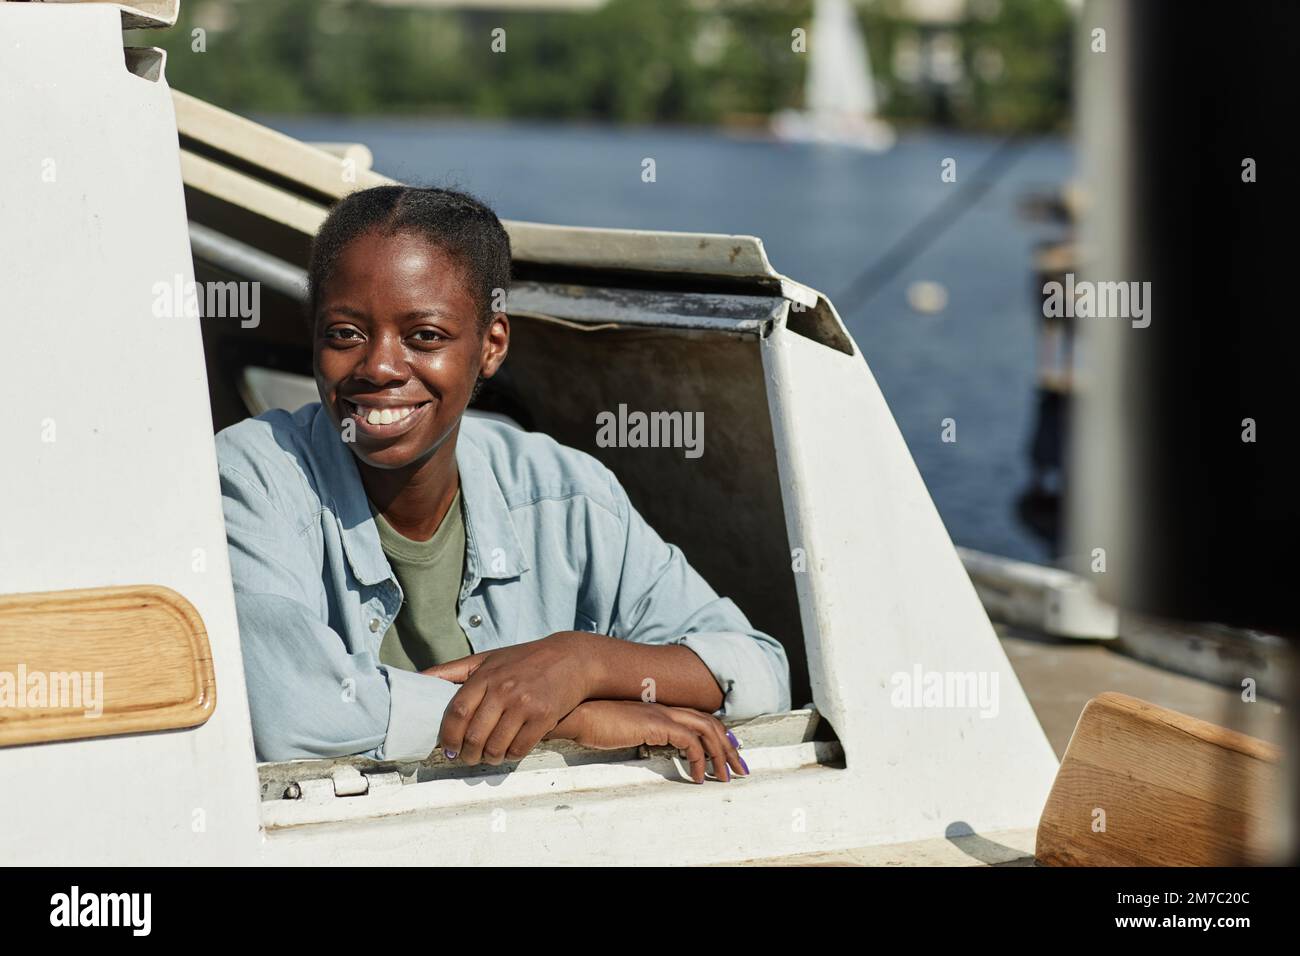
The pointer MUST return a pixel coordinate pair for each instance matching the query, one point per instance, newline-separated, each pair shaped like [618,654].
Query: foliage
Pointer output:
[629,61]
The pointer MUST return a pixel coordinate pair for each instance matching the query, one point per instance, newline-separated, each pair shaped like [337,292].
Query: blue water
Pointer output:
[825,215]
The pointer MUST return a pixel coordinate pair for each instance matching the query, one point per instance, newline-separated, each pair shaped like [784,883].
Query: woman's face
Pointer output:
[398,347]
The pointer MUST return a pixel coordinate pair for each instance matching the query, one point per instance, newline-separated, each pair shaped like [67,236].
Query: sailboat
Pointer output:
[839,98]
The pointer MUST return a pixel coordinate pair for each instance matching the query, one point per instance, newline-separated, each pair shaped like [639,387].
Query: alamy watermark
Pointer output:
[63,690]
[1102,300]
[635,429]
[75,908]
[182,298]
[957,690]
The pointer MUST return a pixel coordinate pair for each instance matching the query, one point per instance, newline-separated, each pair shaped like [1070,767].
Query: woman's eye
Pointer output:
[340,333]
[428,335]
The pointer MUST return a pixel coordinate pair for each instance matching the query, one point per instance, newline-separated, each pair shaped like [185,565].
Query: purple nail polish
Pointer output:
[732,737]
[449,754]
[743,764]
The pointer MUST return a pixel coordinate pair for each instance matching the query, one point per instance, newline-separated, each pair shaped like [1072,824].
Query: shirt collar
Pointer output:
[492,548]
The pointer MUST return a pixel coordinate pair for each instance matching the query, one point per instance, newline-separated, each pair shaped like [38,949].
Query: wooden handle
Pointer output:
[99,661]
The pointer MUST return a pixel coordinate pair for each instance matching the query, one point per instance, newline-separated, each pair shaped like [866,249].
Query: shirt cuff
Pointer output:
[744,671]
[417,702]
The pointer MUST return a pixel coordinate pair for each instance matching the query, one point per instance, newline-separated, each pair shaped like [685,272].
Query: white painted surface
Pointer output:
[808,815]
[127,492]
[779,813]
[884,595]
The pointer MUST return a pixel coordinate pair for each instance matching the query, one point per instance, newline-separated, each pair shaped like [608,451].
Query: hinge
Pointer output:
[343,781]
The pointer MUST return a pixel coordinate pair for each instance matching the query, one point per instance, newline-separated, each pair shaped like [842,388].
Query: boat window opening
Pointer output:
[724,508]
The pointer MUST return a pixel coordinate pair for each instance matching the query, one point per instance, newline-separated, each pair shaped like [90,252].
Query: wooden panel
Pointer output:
[1174,791]
[99,661]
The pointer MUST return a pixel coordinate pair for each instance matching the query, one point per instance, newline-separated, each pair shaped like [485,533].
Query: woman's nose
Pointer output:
[383,361]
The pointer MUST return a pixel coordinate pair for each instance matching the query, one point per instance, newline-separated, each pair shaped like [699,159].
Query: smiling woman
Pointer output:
[408,578]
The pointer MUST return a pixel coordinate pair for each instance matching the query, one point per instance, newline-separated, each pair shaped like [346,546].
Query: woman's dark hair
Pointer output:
[456,222]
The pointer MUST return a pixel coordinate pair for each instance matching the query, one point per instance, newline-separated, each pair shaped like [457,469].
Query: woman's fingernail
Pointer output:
[743,764]
[449,754]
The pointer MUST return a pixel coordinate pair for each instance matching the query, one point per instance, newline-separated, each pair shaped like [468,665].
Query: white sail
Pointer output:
[839,74]
[839,97]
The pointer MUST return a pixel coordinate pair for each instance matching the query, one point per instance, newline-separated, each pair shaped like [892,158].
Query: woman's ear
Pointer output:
[496,342]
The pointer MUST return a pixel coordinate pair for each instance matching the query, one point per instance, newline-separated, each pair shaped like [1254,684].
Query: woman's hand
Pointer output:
[614,724]
[512,696]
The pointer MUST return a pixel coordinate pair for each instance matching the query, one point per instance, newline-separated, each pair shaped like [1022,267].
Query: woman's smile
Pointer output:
[383,419]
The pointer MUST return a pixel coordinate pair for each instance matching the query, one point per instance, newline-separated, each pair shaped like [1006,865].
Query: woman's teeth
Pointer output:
[384,416]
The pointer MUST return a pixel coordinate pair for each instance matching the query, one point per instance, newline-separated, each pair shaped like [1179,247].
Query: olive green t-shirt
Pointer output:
[426,630]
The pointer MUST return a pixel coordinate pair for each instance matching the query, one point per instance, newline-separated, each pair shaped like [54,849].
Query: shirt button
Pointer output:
[374,624]
[475,620]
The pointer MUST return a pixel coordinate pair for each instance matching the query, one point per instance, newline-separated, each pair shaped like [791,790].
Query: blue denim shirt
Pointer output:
[551,544]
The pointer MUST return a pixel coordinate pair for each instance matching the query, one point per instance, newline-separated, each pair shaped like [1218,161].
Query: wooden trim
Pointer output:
[99,661]
[245,192]
[1175,791]
[314,169]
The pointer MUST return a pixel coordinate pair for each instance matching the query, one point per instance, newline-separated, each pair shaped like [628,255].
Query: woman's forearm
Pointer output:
[668,674]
